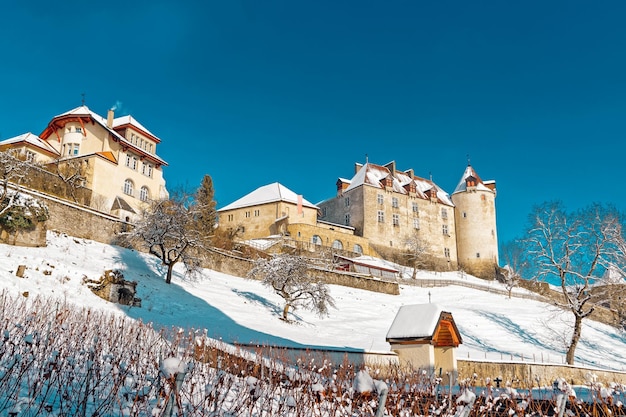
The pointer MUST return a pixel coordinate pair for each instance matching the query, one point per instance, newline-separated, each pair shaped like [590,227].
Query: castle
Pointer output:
[380,209]
[116,156]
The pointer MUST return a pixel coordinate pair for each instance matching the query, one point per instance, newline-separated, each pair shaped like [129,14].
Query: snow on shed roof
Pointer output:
[372,174]
[371,262]
[480,184]
[267,194]
[415,321]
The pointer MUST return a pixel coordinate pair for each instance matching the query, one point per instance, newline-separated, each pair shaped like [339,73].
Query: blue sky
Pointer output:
[255,92]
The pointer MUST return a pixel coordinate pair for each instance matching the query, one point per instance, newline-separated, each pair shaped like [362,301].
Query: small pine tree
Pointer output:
[206,214]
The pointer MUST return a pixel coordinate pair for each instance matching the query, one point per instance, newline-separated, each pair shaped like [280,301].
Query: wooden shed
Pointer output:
[424,336]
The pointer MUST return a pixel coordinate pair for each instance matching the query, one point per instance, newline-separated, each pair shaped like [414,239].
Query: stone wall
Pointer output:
[533,374]
[233,265]
[29,238]
[79,221]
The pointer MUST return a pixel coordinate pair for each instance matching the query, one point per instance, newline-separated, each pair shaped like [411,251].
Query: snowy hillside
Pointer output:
[241,310]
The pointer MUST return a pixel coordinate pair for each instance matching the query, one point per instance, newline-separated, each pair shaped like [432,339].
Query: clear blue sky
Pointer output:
[254,92]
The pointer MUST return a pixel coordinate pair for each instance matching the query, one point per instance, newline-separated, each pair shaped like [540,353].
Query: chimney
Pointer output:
[110,118]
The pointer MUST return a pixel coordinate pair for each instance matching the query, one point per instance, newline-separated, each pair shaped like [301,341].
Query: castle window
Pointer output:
[357,248]
[416,223]
[257,213]
[30,156]
[464,214]
[316,240]
[230,217]
[394,202]
[478,254]
[79,130]
[129,187]
[379,198]
[444,229]
[444,213]
[247,214]
[395,219]
[144,193]
[337,244]
[323,211]
[347,201]
[150,148]
[446,252]
[381,216]
[347,220]
[416,209]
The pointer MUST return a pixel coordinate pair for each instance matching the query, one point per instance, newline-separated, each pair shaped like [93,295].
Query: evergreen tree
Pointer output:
[206,214]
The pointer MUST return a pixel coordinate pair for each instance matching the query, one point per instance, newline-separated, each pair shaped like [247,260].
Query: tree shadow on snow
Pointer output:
[170,305]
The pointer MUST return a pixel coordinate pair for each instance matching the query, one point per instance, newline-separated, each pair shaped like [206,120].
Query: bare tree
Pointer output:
[416,251]
[14,170]
[288,276]
[515,263]
[575,248]
[72,173]
[167,229]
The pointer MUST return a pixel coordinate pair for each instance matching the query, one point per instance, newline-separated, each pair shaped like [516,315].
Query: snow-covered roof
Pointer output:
[373,175]
[30,139]
[371,262]
[415,321]
[270,193]
[480,184]
[130,120]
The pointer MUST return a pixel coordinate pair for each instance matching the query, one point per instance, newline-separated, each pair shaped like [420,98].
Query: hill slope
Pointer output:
[241,310]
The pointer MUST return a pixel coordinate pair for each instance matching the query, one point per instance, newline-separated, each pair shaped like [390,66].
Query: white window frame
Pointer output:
[144,193]
[381,216]
[129,187]
[395,219]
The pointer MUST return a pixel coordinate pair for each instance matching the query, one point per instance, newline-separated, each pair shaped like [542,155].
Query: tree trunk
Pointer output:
[286,311]
[168,278]
[569,357]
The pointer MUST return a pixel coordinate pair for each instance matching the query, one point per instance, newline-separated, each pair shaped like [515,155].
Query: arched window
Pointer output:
[144,193]
[337,244]
[316,240]
[357,248]
[129,187]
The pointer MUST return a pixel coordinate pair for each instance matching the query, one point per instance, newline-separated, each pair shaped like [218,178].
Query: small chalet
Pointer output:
[366,265]
[425,336]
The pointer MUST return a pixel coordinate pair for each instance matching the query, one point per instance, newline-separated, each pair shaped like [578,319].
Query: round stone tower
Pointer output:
[475,219]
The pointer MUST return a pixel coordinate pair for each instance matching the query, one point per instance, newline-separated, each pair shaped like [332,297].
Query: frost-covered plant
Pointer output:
[289,277]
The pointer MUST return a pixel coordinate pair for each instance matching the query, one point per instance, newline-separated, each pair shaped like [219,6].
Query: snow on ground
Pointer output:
[240,310]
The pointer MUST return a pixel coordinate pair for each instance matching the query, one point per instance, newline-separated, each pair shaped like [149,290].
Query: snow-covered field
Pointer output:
[240,310]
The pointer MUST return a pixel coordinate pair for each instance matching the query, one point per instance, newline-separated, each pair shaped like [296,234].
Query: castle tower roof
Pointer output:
[471,177]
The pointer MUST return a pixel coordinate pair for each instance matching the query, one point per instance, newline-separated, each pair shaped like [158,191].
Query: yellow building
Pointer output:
[121,166]
[389,207]
[275,210]
[380,209]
